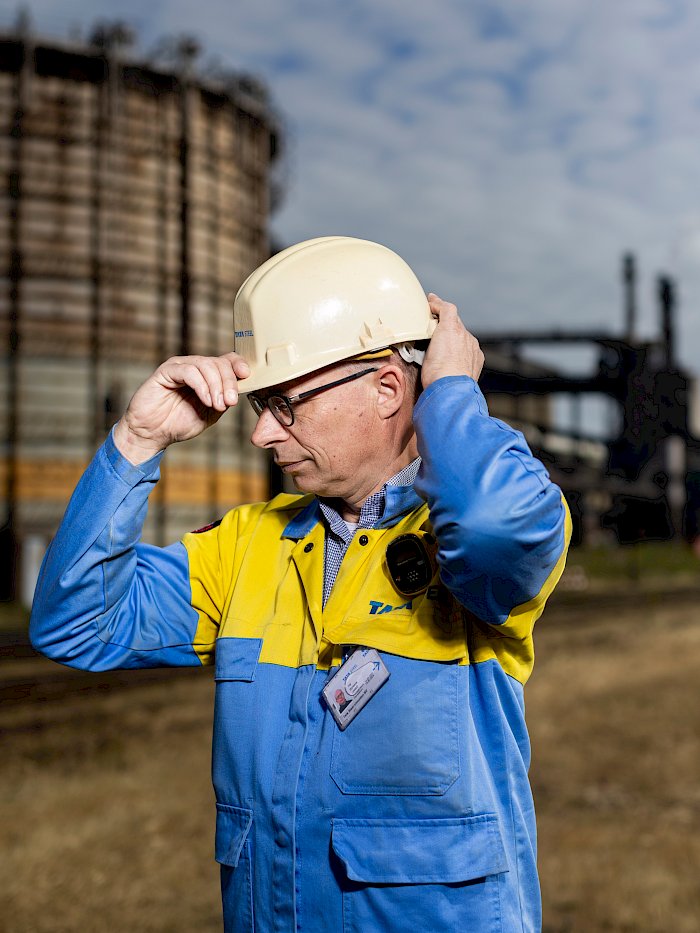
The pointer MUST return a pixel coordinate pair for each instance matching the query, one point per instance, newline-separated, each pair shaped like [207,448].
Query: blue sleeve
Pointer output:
[103,600]
[501,524]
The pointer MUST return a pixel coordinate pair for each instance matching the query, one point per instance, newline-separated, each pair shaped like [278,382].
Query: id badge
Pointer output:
[354,684]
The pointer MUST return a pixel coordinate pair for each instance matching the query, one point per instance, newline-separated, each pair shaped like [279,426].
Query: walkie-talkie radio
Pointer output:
[409,564]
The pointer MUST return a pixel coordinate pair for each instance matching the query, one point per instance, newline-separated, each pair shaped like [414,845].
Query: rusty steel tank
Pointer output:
[135,200]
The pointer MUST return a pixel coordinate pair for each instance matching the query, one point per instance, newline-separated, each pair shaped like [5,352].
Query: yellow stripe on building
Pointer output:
[55,480]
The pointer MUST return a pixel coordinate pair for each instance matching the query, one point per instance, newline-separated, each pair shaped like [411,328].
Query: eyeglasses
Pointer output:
[281,405]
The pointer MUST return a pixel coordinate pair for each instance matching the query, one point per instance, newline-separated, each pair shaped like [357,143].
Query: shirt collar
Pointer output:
[382,509]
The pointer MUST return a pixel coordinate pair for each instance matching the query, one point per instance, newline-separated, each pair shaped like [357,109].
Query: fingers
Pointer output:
[442,309]
[453,350]
[233,368]
[448,316]
[213,379]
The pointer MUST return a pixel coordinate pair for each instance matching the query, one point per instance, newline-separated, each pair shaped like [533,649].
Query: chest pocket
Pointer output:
[236,659]
[406,740]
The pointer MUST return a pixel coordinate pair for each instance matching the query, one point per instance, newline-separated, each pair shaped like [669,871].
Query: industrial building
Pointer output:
[135,199]
[642,481]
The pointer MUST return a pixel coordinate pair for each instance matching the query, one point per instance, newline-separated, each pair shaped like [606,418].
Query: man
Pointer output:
[406,580]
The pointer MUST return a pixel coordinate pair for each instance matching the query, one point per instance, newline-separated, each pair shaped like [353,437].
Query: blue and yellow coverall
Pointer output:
[418,816]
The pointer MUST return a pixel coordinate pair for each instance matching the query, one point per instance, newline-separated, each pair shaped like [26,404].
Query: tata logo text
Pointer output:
[243,333]
[376,608]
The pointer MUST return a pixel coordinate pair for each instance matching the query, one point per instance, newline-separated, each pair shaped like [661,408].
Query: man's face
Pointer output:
[327,449]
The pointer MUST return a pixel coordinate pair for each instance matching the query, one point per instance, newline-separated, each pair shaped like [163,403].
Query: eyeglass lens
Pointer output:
[279,406]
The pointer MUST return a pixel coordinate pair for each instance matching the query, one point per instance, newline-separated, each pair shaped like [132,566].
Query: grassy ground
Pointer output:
[106,815]
[13,617]
[646,561]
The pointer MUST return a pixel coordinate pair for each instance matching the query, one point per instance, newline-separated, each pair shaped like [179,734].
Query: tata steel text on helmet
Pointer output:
[322,301]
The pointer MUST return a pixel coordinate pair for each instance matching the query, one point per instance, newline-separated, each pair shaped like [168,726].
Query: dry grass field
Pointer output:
[614,713]
[106,819]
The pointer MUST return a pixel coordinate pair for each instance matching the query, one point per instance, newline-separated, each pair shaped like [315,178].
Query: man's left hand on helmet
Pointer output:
[452,350]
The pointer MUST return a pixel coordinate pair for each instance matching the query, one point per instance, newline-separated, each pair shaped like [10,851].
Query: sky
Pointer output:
[510,151]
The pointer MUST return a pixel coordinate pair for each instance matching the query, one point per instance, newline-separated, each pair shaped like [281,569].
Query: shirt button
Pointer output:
[308,547]
[363,539]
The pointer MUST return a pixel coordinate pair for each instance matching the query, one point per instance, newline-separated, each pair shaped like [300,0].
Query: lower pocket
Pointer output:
[420,875]
[233,852]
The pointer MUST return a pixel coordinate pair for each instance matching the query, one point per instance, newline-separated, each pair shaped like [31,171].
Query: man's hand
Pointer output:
[452,350]
[182,398]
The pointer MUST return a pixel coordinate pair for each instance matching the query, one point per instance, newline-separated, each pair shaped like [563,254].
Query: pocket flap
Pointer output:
[232,828]
[420,851]
[236,658]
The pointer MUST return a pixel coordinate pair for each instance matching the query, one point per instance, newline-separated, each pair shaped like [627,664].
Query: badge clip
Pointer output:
[354,684]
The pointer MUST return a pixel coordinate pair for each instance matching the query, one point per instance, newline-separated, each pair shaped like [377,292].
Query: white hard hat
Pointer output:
[322,301]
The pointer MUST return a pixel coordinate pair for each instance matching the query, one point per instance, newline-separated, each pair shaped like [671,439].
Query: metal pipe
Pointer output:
[8,533]
[629,276]
[667,302]
[185,271]
[97,172]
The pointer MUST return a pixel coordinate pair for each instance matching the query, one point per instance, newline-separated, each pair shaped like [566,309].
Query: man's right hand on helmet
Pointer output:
[183,397]
[453,350]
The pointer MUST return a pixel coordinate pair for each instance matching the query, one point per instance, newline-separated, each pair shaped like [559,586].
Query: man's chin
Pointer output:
[306,482]
[302,483]
[299,476]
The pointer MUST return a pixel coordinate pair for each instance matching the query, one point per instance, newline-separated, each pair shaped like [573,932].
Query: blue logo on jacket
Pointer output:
[375,610]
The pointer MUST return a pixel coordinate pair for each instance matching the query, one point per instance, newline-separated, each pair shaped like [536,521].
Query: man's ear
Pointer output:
[392,388]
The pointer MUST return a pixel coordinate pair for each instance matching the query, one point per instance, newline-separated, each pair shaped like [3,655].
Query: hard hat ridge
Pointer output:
[326,300]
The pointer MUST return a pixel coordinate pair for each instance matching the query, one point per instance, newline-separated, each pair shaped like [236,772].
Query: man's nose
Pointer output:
[268,430]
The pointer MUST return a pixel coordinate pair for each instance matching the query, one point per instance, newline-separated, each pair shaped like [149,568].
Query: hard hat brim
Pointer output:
[266,378]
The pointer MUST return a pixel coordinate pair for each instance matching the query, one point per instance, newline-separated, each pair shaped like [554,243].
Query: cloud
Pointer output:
[511,152]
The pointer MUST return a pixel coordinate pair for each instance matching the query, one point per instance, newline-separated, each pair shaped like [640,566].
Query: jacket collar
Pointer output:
[399,501]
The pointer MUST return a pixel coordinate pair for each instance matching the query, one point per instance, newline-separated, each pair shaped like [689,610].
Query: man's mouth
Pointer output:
[288,465]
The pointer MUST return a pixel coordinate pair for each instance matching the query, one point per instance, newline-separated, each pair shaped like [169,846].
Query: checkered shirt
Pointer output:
[339,536]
